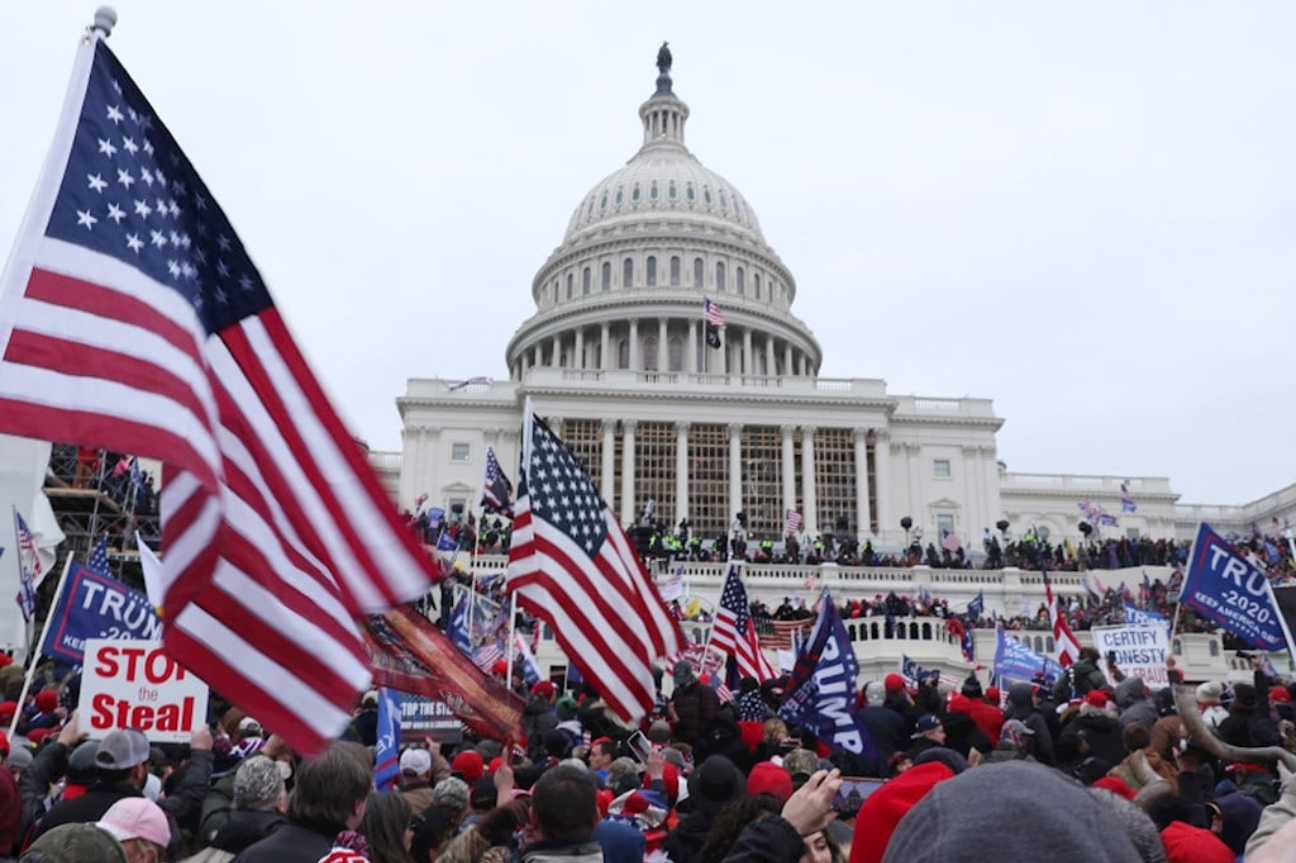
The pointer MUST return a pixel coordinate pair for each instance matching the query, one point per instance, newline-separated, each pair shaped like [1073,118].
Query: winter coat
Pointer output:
[769,840]
[538,717]
[1020,707]
[1082,677]
[294,842]
[1134,704]
[1100,732]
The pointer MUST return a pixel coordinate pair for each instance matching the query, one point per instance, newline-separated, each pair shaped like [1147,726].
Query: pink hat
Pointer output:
[137,818]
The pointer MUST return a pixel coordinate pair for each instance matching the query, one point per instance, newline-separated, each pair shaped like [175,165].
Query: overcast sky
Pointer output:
[1084,212]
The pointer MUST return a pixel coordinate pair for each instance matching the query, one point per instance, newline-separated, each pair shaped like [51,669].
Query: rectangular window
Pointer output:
[941,468]
[460,452]
[944,525]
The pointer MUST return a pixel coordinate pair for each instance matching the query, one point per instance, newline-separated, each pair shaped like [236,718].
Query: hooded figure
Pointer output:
[1021,706]
[1135,706]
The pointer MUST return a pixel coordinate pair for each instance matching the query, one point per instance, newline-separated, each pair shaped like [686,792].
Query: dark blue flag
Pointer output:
[976,607]
[1230,590]
[1015,661]
[93,605]
[821,693]
[458,627]
[387,750]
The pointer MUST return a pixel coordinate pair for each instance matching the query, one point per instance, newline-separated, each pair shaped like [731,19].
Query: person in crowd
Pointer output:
[564,812]
[140,826]
[715,783]
[1093,731]
[1081,678]
[257,809]
[928,734]
[386,828]
[885,727]
[329,796]
[539,716]
[1134,703]
[1248,722]
[797,832]
[75,843]
[416,778]
[601,755]
[693,705]
[1022,703]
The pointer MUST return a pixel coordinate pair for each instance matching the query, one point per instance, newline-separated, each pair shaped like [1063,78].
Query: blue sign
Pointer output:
[1015,661]
[1143,617]
[821,694]
[1225,587]
[387,751]
[94,605]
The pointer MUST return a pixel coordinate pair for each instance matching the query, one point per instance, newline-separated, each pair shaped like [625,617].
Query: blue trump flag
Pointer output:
[1015,661]
[1143,617]
[94,605]
[387,750]
[1227,588]
[821,693]
[976,607]
[458,628]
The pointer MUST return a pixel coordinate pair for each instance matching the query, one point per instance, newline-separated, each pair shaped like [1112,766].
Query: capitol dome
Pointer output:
[643,251]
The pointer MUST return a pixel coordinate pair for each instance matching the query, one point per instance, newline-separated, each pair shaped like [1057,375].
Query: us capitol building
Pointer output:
[615,359]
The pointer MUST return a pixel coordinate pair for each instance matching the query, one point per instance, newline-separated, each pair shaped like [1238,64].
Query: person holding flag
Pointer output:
[734,633]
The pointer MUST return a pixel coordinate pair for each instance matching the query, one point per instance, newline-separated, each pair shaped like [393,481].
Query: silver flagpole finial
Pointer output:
[105,20]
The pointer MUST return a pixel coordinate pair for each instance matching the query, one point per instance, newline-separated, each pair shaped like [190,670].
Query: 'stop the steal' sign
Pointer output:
[136,684]
[1230,590]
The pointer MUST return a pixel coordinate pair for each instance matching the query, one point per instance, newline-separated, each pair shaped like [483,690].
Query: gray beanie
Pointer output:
[1032,812]
[258,783]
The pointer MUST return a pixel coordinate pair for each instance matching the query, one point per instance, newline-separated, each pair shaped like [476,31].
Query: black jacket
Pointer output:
[769,840]
[292,843]
[245,827]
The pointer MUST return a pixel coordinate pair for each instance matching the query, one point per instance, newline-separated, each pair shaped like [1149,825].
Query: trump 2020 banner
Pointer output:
[94,605]
[1015,661]
[1227,588]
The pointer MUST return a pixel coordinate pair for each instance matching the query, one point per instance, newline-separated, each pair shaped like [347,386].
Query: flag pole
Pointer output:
[527,420]
[35,652]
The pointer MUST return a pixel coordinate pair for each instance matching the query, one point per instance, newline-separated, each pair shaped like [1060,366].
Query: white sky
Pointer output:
[1082,211]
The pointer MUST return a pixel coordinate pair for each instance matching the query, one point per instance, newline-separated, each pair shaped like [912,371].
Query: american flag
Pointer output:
[572,566]
[133,320]
[712,315]
[782,634]
[29,567]
[1127,502]
[98,559]
[497,491]
[791,521]
[1067,647]
[734,630]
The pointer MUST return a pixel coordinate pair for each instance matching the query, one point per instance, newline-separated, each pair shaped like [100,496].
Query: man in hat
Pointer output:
[122,768]
[714,785]
[539,715]
[258,806]
[693,705]
[929,733]
[416,779]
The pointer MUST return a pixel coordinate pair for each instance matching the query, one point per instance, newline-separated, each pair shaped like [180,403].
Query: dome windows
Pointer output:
[650,353]
[627,273]
[724,202]
[675,351]
[688,192]
[697,273]
[672,192]
[620,195]
[586,279]
[740,282]
[720,276]
[652,190]
[571,286]
[603,203]
[756,284]
[634,194]
[650,271]
[674,271]
[706,195]
[590,210]
[606,281]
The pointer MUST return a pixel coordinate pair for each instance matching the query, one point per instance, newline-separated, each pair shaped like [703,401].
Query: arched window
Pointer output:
[652,190]
[756,285]
[706,195]
[650,353]
[650,271]
[689,192]
[697,272]
[675,271]
[606,281]
[623,354]
[720,277]
[620,195]
[672,191]
[634,195]
[603,203]
[676,359]
[627,272]
[571,286]
[585,282]
[740,282]
[724,204]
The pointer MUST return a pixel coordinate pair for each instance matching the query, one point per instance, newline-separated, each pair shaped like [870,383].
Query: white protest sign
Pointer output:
[1140,651]
[127,683]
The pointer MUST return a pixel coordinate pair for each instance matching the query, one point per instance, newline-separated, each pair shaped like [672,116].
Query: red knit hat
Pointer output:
[7,711]
[543,688]
[884,808]
[1280,695]
[1187,844]
[500,667]
[893,682]
[47,700]
[992,694]
[469,765]
[769,778]
[1097,698]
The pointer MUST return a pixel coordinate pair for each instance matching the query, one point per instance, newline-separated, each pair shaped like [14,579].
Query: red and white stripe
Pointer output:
[277,533]
[604,610]
[1064,639]
[745,646]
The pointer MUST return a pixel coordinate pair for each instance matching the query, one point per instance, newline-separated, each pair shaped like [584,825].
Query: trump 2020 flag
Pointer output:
[1225,587]
[821,693]
[133,319]
[387,750]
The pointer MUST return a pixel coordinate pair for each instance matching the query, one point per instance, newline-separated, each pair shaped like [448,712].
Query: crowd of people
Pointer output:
[1095,767]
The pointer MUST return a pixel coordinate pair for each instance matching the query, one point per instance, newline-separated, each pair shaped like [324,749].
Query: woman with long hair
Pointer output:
[387,827]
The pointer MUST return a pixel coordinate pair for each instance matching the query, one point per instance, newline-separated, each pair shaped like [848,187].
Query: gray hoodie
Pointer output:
[1134,704]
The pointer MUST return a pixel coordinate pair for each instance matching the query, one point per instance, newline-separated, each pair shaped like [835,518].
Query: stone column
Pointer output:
[681,471]
[691,350]
[605,346]
[524,364]
[557,351]
[609,463]
[787,359]
[628,472]
[862,513]
[579,360]
[735,469]
[749,366]
[537,356]
[970,483]
[663,355]
[769,356]
[789,469]
[913,462]
[882,474]
[635,365]
[808,499]
[802,365]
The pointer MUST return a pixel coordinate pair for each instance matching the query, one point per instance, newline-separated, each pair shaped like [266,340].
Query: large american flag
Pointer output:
[1063,638]
[572,566]
[791,522]
[133,319]
[734,631]
[712,315]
